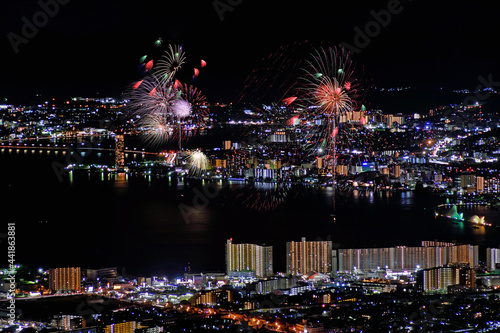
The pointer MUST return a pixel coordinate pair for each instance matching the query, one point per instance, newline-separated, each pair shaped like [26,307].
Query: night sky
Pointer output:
[92,47]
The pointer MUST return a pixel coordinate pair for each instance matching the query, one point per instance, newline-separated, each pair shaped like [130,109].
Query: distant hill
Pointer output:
[420,100]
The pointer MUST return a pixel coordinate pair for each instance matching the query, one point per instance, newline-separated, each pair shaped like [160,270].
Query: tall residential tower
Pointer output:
[305,257]
[65,279]
[249,257]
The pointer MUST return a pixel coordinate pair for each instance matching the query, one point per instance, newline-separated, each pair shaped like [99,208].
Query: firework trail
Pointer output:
[170,63]
[275,76]
[198,162]
[251,197]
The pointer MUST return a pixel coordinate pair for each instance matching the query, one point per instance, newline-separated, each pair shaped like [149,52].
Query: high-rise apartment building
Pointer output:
[305,257]
[480,184]
[440,278]
[65,279]
[126,327]
[249,257]
[407,258]
[492,259]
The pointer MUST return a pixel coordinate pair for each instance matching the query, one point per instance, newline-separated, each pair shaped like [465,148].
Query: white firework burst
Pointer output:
[198,162]
[181,108]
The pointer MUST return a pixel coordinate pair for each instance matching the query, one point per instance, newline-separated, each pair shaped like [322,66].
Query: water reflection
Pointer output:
[120,182]
[382,216]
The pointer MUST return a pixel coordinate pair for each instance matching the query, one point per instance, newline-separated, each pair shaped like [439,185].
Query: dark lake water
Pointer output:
[157,225]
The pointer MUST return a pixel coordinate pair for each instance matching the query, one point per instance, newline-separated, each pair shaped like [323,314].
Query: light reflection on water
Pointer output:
[138,220]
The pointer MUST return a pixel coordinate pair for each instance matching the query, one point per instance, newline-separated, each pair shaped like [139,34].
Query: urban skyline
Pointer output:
[235,166]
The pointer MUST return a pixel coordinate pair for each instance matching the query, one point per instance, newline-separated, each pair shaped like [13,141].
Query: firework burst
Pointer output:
[156,129]
[192,94]
[152,96]
[198,162]
[329,81]
[159,104]
[181,108]
[170,63]
[332,97]
[329,90]
[151,105]
[197,100]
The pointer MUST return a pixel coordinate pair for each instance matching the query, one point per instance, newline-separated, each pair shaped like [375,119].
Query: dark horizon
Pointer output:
[93,48]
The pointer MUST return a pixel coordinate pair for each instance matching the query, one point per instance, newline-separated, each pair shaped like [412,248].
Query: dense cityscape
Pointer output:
[451,151]
[226,167]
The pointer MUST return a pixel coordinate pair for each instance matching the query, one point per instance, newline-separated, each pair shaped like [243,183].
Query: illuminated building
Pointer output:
[65,279]
[491,185]
[249,257]
[146,329]
[468,278]
[101,273]
[205,298]
[126,327]
[384,170]
[119,151]
[479,184]
[464,254]
[467,182]
[492,259]
[218,163]
[351,117]
[94,329]
[390,119]
[279,136]
[213,297]
[440,278]
[437,243]
[269,285]
[407,258]
[305,257]
[342,169]
[67,322]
